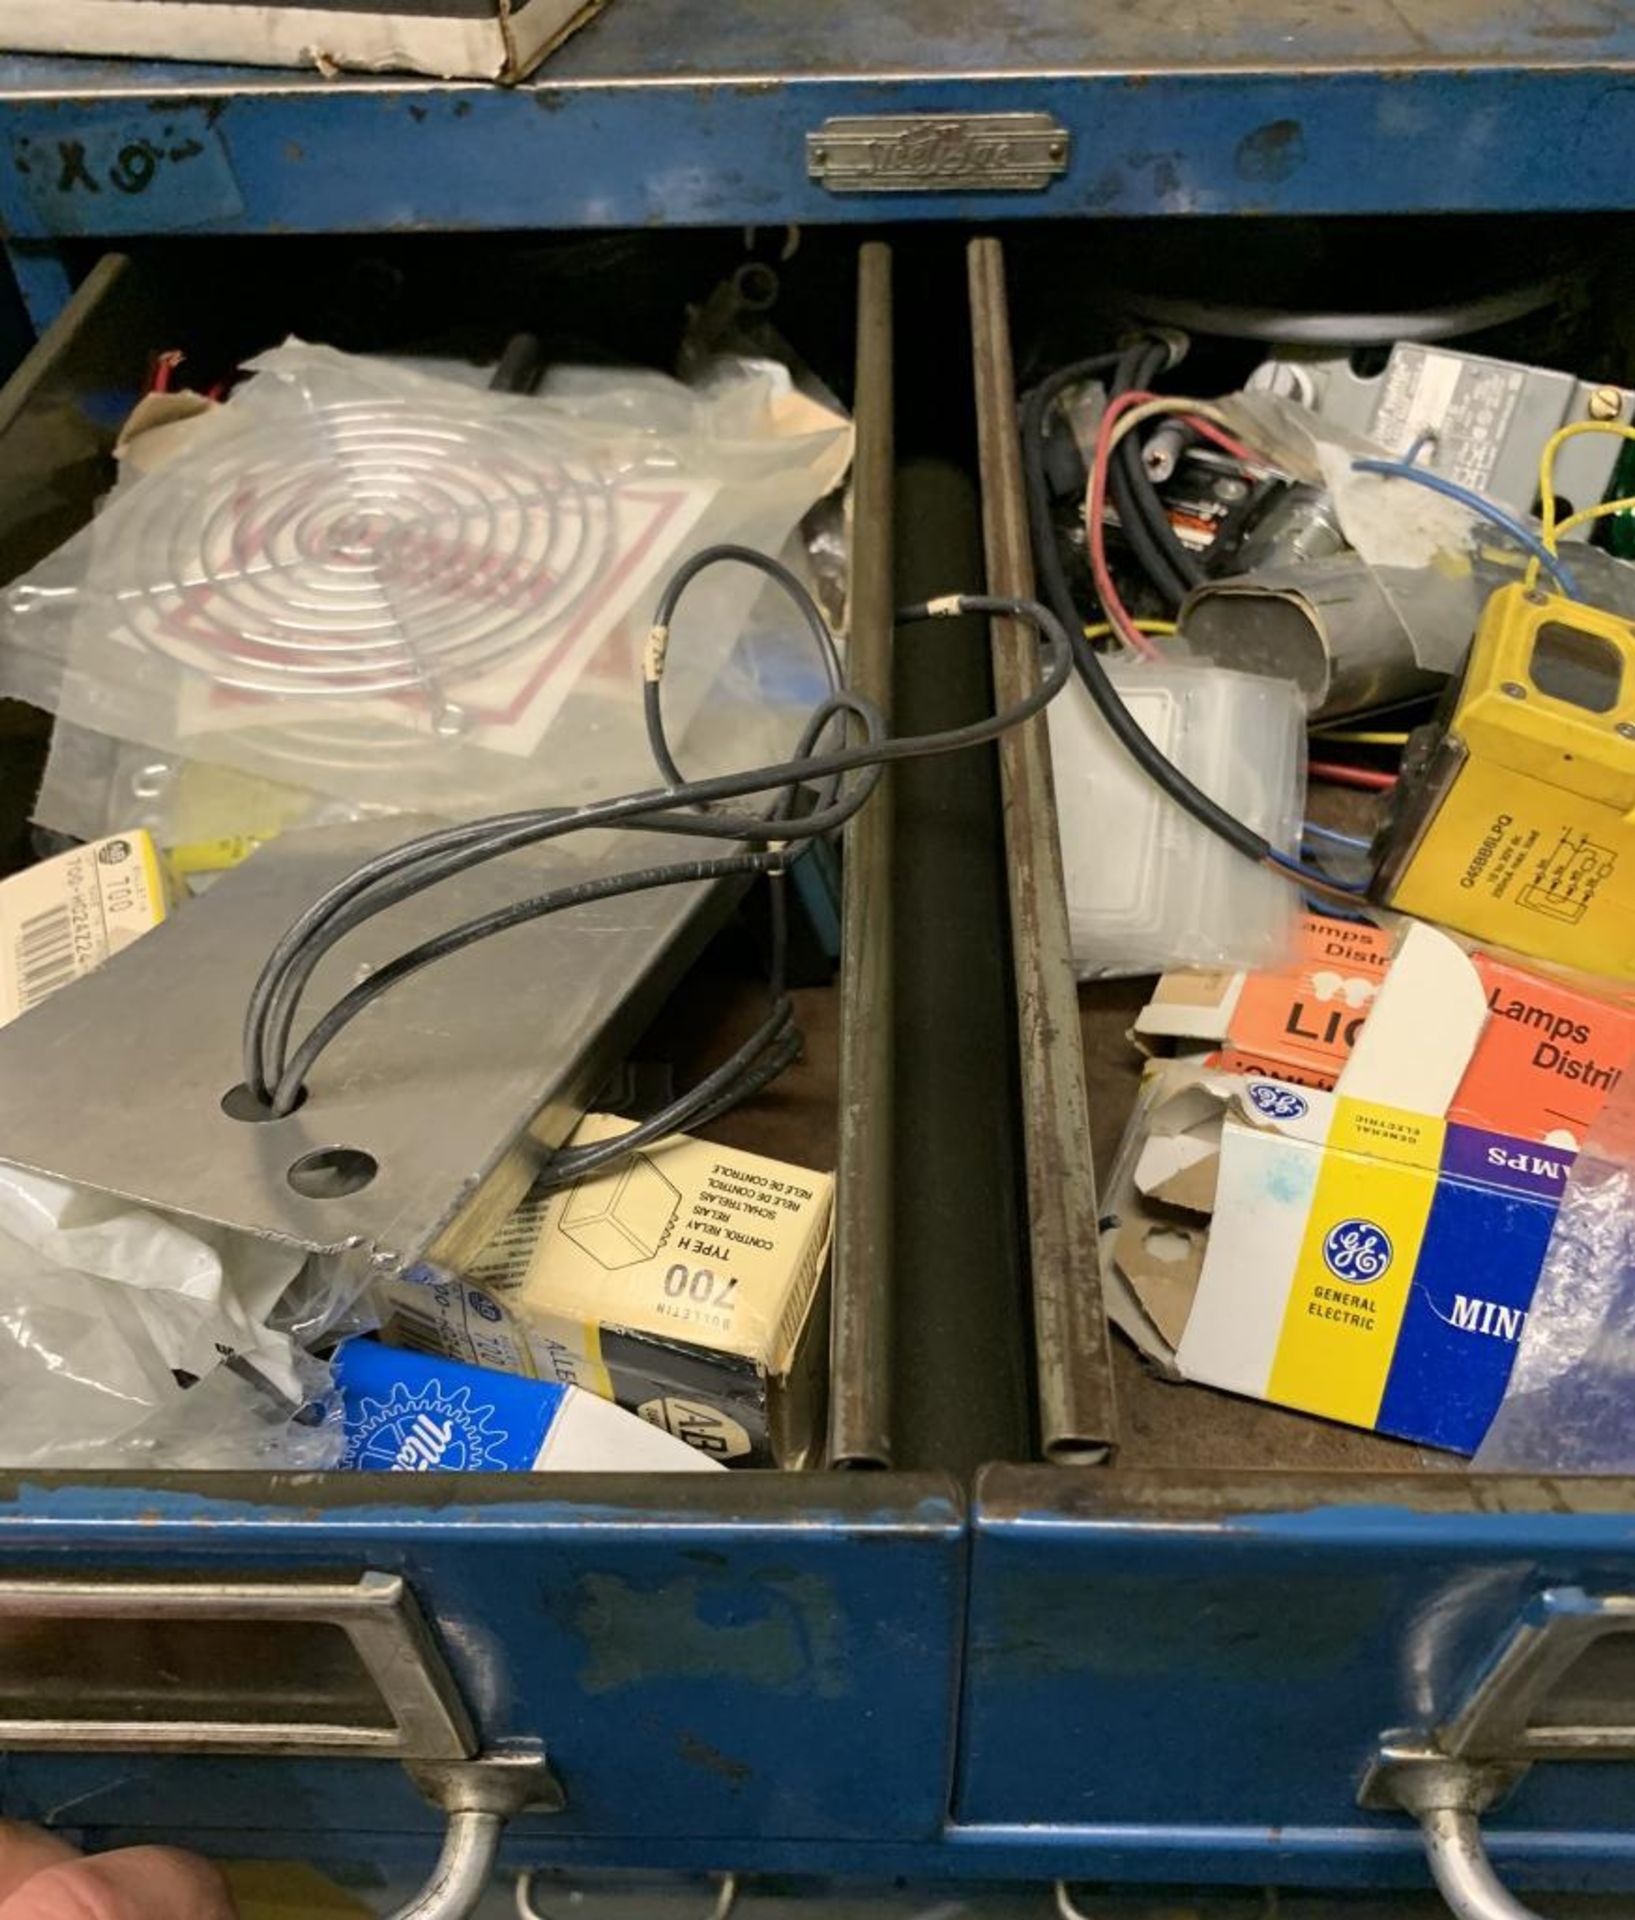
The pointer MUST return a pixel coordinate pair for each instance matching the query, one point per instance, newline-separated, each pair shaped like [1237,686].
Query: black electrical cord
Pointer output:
[1168,565]
[665,613]
[520,367]
[403,871]
[278,1078]
[1035,428]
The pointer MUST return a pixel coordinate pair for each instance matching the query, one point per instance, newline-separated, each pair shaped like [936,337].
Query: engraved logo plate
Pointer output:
[938,152]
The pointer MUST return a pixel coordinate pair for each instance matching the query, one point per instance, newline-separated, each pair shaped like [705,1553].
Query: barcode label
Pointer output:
[421,1332]
[45,954]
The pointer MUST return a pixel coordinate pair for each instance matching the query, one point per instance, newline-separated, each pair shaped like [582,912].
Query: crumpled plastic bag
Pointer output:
[401,593]
[131,1339]
[1569,1406]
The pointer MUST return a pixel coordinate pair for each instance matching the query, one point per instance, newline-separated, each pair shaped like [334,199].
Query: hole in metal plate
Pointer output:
[330,1173]
[238,1103]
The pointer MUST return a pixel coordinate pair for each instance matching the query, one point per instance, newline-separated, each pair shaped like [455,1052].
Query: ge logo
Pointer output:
[1357,1251]
[1277,1103]
[481,1305]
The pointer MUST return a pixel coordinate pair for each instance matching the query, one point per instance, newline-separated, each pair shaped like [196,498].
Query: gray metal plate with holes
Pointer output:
[449,1082]
[937,152]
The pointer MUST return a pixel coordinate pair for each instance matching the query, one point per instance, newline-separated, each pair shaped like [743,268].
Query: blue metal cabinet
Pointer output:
[1102,1673]
[1187,1676]
[707,112]
[724,1659]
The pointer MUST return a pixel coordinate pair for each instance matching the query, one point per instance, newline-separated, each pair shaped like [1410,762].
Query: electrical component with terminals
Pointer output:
[1511,822]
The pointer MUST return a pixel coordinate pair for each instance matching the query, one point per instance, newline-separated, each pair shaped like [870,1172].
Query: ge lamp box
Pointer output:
[451,39]
[1367,1253]
[682,1282]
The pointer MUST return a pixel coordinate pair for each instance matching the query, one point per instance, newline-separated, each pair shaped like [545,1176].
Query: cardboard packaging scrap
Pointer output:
[682,1282]
[1367,1253]
[405,1413]
[472,39]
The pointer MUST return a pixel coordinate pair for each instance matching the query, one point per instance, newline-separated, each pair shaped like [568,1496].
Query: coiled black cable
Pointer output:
[277,1076]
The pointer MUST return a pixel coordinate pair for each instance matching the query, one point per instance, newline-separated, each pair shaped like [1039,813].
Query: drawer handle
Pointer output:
[1557,1687]
[1461,1869]
[464,1868]
[479,1796]
[312,1666]
[1447,1798]
[307,1666]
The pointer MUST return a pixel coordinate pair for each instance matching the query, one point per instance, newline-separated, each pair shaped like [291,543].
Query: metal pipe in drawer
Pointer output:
[859,1408]
[1075,1378]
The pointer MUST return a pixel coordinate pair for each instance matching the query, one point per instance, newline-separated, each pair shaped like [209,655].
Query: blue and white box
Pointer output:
[410,1413]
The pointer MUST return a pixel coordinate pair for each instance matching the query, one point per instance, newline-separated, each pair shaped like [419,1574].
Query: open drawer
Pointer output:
[1253,1644]
[680,1668]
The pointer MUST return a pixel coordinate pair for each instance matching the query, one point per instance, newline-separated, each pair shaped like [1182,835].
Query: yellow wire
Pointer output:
[1586,514]
[1159,628]
[1362,739]
[1549,532]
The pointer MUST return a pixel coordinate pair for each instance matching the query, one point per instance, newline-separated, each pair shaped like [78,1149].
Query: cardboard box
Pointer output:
[1156,1204]
[475,39]
[683,1282]
[61,919]
[1370,1258]
[407,1414]
[1296,1023]
[1543,1065]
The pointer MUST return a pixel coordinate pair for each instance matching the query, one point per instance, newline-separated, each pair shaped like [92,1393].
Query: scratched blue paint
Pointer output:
[588,155]
[144,172]
[747,1668]
[1200,1696]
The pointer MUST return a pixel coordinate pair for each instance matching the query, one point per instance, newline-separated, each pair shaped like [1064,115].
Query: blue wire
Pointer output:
[1303,872]
[1311,829]
[1332,910]
[1495,515]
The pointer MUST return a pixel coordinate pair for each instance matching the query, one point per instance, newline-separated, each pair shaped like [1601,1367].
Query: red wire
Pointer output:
[1343,776]
[164,366]
[1118,615]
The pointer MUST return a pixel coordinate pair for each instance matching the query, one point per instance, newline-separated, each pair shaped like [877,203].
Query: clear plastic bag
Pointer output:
[1569,1406]
[107,1309]
[206,818]
[1148,887]
[396,591]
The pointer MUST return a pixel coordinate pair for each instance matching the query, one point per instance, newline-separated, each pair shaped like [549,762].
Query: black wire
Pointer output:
[1035,431]
[1172,570]
[388,878]
[403,871]
[520,365]
[410,869]
[664,616]
[581,893]
[1127,730]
